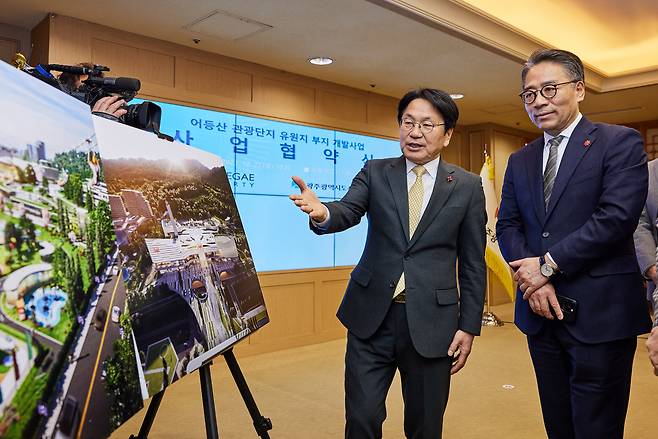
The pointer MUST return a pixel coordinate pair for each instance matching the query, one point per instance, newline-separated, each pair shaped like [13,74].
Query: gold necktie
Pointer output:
[416,193]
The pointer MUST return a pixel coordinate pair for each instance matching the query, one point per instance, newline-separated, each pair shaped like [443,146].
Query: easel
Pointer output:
[261,423]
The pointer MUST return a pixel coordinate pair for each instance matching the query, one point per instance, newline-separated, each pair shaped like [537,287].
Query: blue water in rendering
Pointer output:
[48,303]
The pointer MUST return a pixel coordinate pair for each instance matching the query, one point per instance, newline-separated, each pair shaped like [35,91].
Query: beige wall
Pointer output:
[302,307]
[12,40]
[180,74]
[301,303]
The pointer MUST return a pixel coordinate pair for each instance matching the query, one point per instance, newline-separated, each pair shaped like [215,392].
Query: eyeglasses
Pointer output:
[548,91]
[426,126]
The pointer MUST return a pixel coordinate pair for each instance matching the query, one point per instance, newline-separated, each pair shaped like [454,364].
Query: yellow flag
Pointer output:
[493,256]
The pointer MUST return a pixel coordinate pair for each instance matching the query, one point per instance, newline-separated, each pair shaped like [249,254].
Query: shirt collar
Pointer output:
[431,167]
[567,132]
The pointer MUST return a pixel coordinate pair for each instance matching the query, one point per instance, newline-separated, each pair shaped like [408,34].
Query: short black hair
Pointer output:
[69,80]
[569,61]
[440,100]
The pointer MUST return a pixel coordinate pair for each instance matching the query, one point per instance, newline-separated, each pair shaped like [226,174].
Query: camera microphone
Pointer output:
[76,70]
[127,84]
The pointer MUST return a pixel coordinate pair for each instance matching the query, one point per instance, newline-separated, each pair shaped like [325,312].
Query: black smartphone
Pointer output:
[568,306]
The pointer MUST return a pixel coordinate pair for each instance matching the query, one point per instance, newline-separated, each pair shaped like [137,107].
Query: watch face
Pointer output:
[546,270]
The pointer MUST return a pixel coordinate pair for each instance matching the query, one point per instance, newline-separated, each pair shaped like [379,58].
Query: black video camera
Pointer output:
[145,116]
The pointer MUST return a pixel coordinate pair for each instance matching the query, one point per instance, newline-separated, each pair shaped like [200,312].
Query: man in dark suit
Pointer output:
[570,203]
[646,234]
[414,301]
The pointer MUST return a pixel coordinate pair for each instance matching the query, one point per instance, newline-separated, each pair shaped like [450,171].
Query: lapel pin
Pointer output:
[449,178]
[586,143]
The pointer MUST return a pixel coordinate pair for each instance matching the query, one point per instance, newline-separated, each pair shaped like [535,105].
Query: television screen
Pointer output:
[260,156]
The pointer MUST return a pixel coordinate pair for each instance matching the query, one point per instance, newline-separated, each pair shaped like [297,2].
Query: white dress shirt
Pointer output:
[429,177]
[567,132]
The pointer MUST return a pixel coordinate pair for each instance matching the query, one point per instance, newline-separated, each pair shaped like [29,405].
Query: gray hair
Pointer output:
[569,61]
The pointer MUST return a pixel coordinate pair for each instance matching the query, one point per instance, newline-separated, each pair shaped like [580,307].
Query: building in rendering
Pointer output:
[136,204]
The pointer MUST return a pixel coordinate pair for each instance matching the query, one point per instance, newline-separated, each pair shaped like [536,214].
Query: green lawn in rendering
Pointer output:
[157,355]
[25,401]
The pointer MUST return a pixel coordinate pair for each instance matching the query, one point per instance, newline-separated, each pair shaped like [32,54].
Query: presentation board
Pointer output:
[88,332]
[260,156]
[59,329]
[190,284]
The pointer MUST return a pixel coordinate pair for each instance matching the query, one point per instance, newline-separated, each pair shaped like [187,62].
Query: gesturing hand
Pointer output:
[308,202]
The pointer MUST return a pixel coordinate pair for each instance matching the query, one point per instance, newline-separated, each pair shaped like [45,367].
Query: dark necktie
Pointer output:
[551,169]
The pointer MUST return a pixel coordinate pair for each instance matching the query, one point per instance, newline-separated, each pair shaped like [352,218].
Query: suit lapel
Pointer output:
[579,143]
[533,165]
[444,184]
[396,174]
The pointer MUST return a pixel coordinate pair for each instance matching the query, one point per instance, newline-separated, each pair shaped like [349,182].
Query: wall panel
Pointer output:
[453,152]
[327,305]
[291,99]
[217,81]
[380,112]
[284,302]
[476,143]
[342,106]
[8,47]
[302,307]
[147,65]
[41,41]
[12,40]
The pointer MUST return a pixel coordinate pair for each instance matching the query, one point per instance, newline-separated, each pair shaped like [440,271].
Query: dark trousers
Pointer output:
[583,388]
[370,365]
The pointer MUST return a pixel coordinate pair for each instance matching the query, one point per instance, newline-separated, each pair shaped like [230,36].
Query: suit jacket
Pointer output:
[646,233]
[450,234]
[599,191]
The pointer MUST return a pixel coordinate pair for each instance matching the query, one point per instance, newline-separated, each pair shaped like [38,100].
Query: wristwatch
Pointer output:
[545,268]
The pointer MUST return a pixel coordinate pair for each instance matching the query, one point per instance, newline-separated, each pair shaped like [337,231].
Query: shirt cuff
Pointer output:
[323,225]
[552,261]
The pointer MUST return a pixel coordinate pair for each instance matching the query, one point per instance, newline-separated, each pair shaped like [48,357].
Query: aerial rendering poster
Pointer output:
[62,348]
[89,331]
[191,286]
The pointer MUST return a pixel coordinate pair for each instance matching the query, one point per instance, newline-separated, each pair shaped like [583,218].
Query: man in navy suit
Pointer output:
[571,200]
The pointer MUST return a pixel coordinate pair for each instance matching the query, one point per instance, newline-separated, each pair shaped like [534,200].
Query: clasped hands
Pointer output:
[536,288]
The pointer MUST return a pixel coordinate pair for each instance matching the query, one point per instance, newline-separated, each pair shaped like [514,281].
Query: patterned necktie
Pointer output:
[416,193]
[551,168]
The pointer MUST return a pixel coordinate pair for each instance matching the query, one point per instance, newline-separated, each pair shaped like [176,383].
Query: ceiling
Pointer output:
[474,47]
[612,36]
